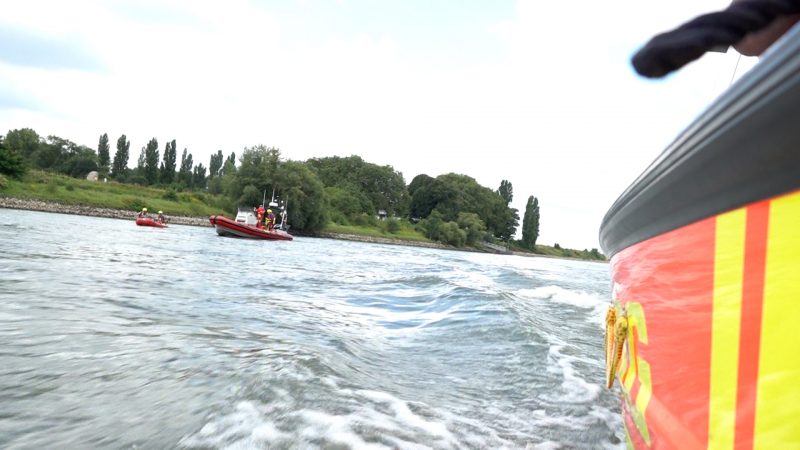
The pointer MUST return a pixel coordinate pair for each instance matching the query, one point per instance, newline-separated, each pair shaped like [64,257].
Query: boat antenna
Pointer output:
[264,198]
[285,212]
[733,75]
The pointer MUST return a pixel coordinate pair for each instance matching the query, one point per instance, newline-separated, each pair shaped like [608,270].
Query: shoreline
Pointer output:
[91,211]
[202,221]
[198,221]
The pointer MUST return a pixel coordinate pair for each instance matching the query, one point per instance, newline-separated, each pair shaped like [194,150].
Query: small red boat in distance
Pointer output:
[148,222]
[245,227]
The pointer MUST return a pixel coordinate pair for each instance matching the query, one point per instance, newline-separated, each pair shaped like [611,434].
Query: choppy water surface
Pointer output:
[118,336]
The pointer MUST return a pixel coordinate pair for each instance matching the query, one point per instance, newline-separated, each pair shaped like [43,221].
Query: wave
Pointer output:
[559,294]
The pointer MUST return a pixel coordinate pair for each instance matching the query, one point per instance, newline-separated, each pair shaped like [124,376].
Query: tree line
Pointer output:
[451,208]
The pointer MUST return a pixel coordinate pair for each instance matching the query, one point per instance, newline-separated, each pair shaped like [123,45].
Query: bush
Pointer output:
[365,220]
[52,186]
[40,177]
[196,209]
[137,178]
[133,203]
[337,217]
[473,227]
[437,229]
[170,194]
[3,182]
[453,235]
[392,226]
[70,187]
[201,196]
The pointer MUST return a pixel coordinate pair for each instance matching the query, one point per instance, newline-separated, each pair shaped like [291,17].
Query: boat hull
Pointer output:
[147,222]
[231,228]
[712,314]
[705,253]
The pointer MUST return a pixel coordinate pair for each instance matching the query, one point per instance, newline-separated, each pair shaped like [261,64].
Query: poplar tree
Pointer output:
[151,162]
[530,223]
[142,161]
[185,172]
[120,164]
[506,191]
[103,157]
[215,164]
[199,178]
[167,169]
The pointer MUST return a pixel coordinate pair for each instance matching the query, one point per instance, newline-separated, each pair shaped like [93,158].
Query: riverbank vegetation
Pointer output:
[55,187]
[335,194]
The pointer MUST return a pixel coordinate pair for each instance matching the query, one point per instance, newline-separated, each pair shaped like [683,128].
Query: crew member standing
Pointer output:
[260,216]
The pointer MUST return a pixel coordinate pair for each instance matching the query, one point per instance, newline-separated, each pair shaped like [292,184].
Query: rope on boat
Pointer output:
[674,49]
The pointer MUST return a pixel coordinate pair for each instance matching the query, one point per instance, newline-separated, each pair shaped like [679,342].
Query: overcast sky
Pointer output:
[540,93]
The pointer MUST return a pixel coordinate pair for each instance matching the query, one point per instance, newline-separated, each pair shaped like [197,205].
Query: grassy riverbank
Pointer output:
[50,187]
[406,232]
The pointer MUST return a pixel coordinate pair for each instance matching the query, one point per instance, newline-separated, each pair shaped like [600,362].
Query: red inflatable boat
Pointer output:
[233,228]
[148,222]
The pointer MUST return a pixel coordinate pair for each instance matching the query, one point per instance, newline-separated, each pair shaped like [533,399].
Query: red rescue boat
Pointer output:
[244,228]
[148,222]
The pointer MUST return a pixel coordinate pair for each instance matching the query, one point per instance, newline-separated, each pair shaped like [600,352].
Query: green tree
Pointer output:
[199,176]
[304,193]
[151,162]
[167,169]
[382,185]
[120,164]
[346,204]
[52,152]
[232,159]
[251,196]
[185,172]
[215,185]
[530,223]
[452,194]
[11,162]
[142,161]
[508,222]
[78,161]
[103,156]
[23,141]
[257,167]
[506,191]
[215,165]
[228,179]
[419,181]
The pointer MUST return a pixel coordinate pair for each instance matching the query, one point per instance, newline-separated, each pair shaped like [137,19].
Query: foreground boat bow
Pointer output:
[705,252]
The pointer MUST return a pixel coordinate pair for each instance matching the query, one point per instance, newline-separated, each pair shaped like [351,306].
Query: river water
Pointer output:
[118,336]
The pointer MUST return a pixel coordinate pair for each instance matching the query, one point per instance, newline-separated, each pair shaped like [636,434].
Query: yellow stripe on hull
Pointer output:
[725,328]
[778,398]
